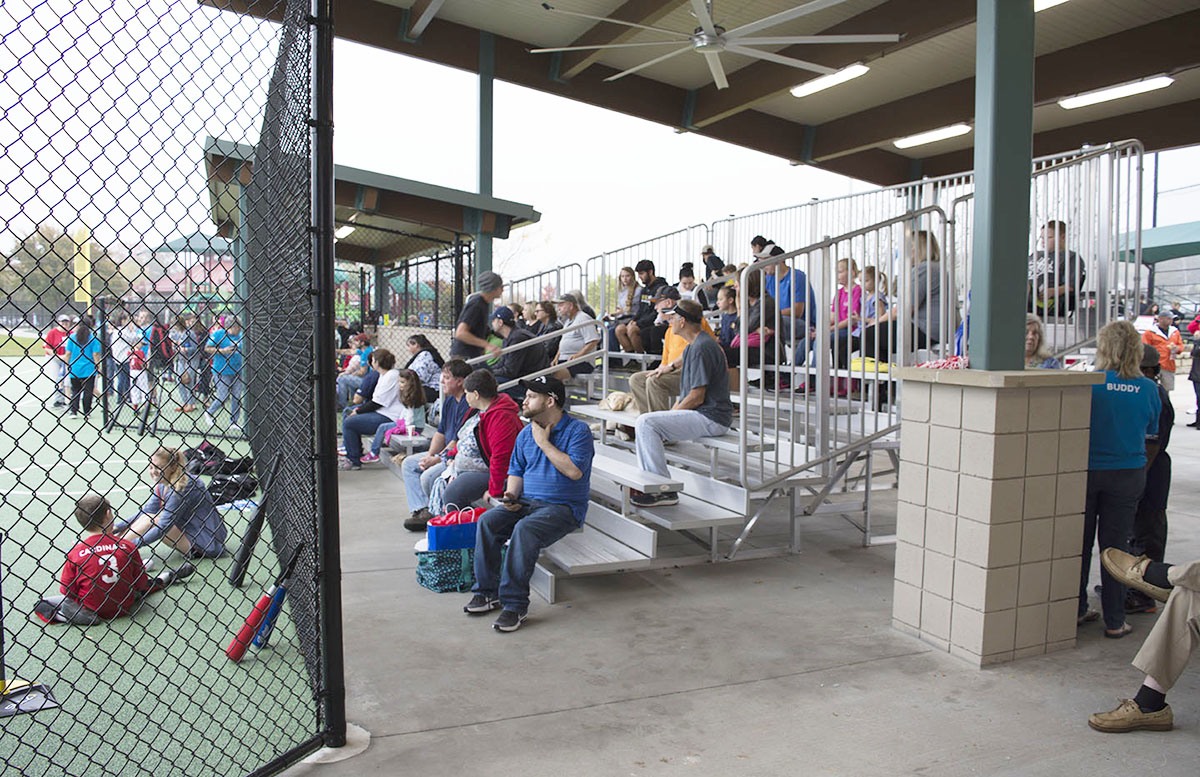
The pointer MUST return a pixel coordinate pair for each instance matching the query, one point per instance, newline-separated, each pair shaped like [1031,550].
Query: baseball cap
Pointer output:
[545,384]
[64,318]
[504,313]
[567,297]
[667,292]
[706,250]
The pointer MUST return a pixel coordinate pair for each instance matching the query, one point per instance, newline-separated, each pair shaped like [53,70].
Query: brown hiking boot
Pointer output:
[417,521]
[1128,716]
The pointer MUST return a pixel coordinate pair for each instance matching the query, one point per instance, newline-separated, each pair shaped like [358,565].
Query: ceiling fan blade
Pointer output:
[700,8]
[645,65]
[782,16]
[605,46]
[714,66]
[791,40]
[681,35]
[779,59]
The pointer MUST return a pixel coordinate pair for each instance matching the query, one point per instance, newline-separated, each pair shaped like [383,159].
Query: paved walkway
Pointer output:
[779,666]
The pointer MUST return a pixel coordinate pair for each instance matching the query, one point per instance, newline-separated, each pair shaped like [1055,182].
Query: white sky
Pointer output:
[110,137]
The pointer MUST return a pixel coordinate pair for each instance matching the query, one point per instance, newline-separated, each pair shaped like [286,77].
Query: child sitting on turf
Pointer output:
[103,577]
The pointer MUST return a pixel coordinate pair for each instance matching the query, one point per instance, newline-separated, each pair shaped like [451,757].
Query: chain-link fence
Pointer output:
[164,260]
[428,291]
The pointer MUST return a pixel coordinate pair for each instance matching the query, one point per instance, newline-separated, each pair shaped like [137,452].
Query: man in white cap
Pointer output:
[578,342]
[474,321]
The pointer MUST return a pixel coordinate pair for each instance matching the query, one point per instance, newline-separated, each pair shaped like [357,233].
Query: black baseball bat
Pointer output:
[237,575]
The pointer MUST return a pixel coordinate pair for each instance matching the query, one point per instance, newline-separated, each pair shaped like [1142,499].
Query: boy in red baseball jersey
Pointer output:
[103,577]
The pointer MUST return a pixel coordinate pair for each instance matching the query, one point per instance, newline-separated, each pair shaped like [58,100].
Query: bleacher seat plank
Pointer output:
[627,473]
[592,551]
[691,513]
[638,536]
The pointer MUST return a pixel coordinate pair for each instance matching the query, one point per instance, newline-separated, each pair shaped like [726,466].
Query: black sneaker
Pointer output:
[653,500]
[417,521]
[509,620]
[171,576]
[480,604]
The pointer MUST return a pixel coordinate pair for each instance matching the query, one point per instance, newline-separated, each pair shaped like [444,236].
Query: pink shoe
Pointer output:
[369,458]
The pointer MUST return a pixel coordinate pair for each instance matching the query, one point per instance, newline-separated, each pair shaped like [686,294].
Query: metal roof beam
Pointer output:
[917,20]
[1142,51]
[603,34]
[421,14]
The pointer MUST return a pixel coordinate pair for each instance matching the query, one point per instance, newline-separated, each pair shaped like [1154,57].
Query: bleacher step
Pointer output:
[690,514]
[592,551]
[627,473]
[636,535]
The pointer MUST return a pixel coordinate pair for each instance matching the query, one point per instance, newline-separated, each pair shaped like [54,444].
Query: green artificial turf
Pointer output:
[152,693]
[15,345]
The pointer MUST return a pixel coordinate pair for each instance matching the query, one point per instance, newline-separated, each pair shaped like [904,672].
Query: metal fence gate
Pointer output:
[166,197]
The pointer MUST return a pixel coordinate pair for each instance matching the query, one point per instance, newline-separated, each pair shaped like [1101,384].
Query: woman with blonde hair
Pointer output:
[1124,424]
[180,510]
[1037,355]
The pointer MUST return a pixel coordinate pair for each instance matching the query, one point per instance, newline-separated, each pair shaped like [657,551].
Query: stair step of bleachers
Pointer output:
[624,470]
[702,486]
[592,551]
[635,534]
[691,513]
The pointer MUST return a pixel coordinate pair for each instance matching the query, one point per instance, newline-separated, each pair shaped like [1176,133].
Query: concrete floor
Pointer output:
[777,666]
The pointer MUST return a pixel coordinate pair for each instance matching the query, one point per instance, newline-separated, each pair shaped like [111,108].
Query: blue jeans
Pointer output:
[531,529]
[1111,503]
[347,385]
[653,429]
[417,482]
[355,426]
[120,374]
[228,387]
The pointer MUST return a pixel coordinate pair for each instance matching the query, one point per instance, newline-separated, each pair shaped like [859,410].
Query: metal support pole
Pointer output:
[487,72]
[460,280]
[106,355]
[1003,159]
[329,563]
[379,292]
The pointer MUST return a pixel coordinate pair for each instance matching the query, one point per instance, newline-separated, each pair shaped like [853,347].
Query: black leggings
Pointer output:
[81,388]
[879,341]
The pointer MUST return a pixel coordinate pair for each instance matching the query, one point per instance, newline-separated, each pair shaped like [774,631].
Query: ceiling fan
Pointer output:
[710,39]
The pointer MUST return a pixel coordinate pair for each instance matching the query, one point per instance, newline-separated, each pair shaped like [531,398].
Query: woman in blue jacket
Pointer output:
[180,510]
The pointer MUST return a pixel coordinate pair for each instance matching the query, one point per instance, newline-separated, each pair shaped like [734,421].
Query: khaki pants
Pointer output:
[1165,653]
[653,393]
[1167,379]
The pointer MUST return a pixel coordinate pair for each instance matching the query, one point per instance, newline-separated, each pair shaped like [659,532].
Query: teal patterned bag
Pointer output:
[446,570]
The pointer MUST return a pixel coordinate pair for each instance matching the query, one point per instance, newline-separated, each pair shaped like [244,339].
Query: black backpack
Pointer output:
[205,459]
[230,488]
[162,349]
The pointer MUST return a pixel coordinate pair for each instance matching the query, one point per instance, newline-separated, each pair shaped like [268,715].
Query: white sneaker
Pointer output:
[208,421]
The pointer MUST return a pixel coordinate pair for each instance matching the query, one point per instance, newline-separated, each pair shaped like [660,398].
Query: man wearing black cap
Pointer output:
[657,389]
[470,334]
[577,342]
[703,408]
[545,499]
[630,334]
[515,364]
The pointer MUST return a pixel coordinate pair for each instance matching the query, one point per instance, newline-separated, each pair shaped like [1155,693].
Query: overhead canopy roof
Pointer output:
[924,81]
[197,243]
[394,219]
[1177,241]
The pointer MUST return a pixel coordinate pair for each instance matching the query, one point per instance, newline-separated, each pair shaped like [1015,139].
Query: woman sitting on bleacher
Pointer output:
[1037,355]
[427,363]
[384,407]
[484,447]
[924,311]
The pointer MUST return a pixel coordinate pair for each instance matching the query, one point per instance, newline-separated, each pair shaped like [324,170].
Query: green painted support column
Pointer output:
[380,289]
[241,285]
[1003,161]
[487,74]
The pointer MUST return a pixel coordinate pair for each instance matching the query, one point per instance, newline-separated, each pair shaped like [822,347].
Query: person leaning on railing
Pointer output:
[516,364]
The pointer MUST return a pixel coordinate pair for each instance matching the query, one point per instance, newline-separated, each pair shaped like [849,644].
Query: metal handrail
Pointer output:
[541,340]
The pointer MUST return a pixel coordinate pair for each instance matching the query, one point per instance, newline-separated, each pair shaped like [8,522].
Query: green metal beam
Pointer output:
[1003,158]
[487,77]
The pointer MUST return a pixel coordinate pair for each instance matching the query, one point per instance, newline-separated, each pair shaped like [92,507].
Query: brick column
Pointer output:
[993,470]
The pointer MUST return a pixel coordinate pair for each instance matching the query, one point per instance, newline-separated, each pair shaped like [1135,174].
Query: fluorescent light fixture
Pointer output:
[833,79]
[1041,5]
[932,136]
[1116,92]
[343,231]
